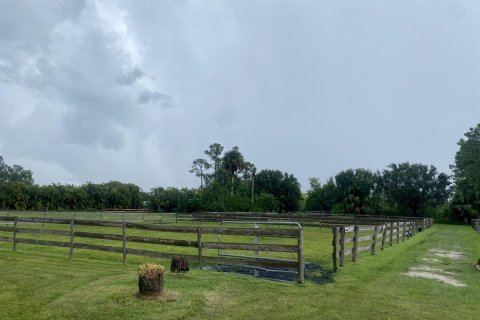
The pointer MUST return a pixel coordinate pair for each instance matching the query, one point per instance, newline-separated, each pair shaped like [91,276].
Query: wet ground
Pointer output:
[313,273]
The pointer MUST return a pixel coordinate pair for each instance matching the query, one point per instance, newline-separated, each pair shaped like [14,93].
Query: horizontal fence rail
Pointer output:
[14,227]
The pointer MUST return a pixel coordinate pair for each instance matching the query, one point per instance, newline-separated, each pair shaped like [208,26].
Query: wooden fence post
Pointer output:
[404,230]
[342,246]
[15,221]
[124,229]
[384,236]
[72,223]
[199,239]
[391,234]
[355,243]
[374,240]
[398,232]
[301,262]
[334,245]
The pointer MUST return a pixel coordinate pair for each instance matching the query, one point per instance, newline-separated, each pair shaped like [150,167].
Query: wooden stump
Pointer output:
[179,264]
[151,286]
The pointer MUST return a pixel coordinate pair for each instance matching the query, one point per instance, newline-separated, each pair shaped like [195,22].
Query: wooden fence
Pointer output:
[14,229]
[313,219]
[371,238]
[476,224]
[305,218]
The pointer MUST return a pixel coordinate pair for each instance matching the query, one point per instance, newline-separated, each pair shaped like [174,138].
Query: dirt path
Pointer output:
[442,262]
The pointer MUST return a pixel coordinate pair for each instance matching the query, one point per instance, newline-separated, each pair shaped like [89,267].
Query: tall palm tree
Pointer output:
[233,162]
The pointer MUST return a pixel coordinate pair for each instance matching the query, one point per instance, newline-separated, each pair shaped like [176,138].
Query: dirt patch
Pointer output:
[217,300]
[432,269]
[456,255]
[435,276]
[166,296]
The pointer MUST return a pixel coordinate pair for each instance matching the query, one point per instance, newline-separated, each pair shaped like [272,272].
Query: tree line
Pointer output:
[228,182]
[401,189]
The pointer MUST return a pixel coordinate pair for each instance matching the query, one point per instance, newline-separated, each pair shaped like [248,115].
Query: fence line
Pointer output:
[200,244]
[393,231]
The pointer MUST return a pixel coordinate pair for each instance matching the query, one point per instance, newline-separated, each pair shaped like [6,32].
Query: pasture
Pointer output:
[41,282]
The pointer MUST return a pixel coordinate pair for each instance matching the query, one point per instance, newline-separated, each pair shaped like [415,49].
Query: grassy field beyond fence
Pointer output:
[42,283]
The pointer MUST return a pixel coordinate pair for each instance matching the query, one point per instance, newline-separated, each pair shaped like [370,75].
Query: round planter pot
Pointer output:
[151,286]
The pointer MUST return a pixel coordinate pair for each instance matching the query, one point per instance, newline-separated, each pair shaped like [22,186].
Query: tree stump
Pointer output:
[179,264]
[151,286]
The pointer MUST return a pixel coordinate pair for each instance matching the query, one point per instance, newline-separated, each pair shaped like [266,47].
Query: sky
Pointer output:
[134,91]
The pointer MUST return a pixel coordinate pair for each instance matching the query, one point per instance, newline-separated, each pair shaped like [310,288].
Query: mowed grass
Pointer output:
[42,283]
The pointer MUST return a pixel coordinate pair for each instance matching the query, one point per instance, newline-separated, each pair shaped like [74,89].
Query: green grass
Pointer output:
[41,283]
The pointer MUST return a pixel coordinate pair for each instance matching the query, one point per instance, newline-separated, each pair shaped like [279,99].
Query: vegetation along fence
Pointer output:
[476,224]
[369,236]
[281,247]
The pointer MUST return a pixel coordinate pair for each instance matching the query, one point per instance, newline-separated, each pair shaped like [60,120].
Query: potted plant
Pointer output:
[150,278]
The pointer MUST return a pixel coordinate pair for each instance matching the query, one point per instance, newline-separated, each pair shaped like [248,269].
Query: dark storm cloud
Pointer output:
[141,88]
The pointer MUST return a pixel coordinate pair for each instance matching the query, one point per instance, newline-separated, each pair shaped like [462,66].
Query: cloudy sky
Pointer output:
[136,90]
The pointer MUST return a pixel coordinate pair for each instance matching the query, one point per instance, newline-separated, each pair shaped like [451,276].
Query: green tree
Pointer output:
[14,173]
[283,186]
[322,197]
[414,186]
[233,162]
[356,187]
[265,202]
[466,176]
[199,167]
[173,200]
[214,152]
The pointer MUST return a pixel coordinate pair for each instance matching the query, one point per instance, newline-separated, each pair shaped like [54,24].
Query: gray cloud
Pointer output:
[148,96]
[96,90]
[130,76]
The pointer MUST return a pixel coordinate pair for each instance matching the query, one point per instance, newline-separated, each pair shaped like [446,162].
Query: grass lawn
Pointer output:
[41,283]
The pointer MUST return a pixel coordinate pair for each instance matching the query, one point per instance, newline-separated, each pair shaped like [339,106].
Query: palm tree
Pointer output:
[233,162]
